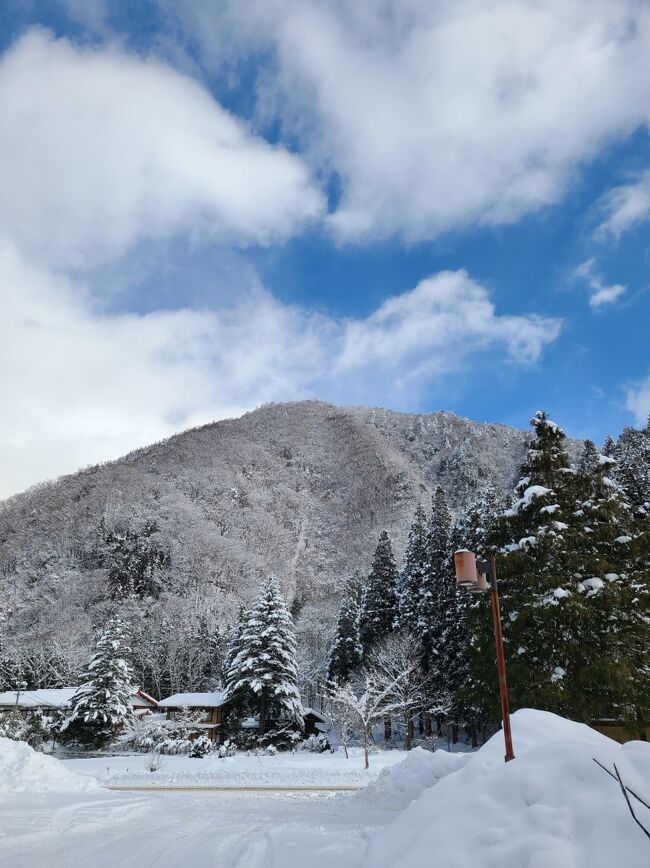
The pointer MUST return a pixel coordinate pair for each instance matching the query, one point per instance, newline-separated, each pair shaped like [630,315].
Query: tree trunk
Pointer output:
[640,718]
[439,725]
[409,732]
[454,733]
[427,725]
[388,729]
[421,723]
[472,732]
[262,726]
[365,745]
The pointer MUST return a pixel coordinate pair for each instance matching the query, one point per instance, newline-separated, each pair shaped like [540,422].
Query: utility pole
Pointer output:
[473,575]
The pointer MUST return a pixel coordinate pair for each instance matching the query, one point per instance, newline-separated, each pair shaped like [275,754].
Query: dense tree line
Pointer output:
[573,553]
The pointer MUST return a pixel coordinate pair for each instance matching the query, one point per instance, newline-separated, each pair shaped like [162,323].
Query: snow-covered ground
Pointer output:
[552,807]
[284,769]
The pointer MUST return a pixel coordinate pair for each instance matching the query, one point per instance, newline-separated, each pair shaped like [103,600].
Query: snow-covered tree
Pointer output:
[263,672]
[573,587]
[133,558]
[474,523]
[632,454]
[415,574]
[437,598]
[396,665]
[589,458]
[102,705]
[346,651]
[379,607]
[233,642]
[369,700]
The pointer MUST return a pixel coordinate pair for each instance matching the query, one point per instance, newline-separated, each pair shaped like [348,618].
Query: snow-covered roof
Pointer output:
[57,697]
[317,714]
[194,700]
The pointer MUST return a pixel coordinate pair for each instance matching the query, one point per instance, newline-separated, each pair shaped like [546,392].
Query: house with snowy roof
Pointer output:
[212,706]
[208,707]
[51,699]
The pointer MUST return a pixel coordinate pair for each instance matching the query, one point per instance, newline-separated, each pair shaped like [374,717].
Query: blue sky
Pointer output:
[212,205]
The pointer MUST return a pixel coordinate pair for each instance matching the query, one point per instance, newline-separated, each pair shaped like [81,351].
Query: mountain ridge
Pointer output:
[301,490]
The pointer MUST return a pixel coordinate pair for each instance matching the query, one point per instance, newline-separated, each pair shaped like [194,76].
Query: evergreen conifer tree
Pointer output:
[437,598]
[565,591]
[102,705]
[415,573]
[632,454]
[134,560]
[262,674]
[379,607]
[233,643]
[589,458]
[346,651]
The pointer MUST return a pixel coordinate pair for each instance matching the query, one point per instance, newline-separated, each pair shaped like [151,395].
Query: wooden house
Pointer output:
[51,699]
[210,706]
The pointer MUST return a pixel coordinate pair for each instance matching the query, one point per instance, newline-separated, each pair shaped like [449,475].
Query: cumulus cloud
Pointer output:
[100,149]
[439,323]
[638,401]
[600,293]
[434,116]
[626,206]
[86,386]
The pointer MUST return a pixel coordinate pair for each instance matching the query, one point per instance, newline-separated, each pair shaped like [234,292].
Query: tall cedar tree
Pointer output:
[415,573]
[632,453]
[102,705]
[435,595]
[473,527]
[566,622]
[611,544]
[262,675]
[346,651]
[379,608]
[446,626]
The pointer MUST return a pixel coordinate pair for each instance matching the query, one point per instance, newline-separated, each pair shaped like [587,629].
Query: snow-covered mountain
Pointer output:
[300,490]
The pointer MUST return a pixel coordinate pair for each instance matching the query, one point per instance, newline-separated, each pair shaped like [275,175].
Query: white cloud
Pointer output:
[601,293]
[638,401]
[100,149]
[439,115]
[626,206]
[86,387]
[439,323]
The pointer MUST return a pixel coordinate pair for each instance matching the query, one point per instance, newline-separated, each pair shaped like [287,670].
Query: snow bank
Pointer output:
[552,807]
[22,769]
[397,786]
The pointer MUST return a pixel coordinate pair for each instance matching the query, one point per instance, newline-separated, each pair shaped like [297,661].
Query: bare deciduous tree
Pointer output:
[395,664]
[368,701]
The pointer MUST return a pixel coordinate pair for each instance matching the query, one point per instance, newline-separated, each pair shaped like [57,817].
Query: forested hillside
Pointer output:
[177,536]
[301,490]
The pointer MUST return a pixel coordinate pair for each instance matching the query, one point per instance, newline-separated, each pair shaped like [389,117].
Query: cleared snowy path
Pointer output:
[287,788]
[227,830]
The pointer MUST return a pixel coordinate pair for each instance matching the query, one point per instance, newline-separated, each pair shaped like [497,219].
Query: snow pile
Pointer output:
[552,807]
[22,769]
[397,786]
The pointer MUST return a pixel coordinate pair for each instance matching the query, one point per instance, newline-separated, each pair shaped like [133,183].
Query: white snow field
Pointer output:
[283,769]
[552,807]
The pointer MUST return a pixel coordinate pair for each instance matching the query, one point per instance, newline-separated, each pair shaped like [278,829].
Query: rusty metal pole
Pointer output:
[501,660]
